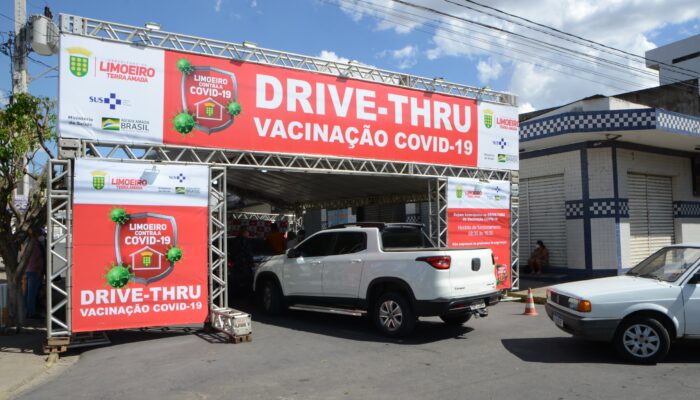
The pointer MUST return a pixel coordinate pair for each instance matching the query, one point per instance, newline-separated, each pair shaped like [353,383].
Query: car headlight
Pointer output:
[580,305]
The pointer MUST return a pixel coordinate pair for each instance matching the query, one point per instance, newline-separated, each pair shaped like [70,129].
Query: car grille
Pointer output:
[560,299]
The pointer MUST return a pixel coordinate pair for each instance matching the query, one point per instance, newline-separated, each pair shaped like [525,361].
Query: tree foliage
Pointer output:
[27,128]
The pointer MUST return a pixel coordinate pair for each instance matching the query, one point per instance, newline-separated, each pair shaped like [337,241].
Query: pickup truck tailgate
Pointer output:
[471,272]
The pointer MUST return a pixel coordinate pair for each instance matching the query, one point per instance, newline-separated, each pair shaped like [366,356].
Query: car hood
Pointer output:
[612,285]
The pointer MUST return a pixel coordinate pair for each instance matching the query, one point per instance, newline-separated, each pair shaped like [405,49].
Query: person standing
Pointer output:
[36,269]
[276,239]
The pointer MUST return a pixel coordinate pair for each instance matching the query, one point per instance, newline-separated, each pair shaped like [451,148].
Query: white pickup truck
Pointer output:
[390,271]
[642,311]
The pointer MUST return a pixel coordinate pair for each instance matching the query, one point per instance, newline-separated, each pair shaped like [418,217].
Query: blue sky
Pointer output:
[411,41]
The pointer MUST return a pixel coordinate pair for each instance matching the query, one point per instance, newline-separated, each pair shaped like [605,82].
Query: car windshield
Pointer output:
[667,264]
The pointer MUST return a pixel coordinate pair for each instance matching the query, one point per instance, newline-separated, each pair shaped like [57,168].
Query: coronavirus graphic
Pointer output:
[174,254]
[184,123]
[234,108]
[118,276]
[118,215]
[184,66]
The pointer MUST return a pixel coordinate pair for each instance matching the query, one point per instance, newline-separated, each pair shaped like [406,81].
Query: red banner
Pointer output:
[478,216]
[211,102]
[137,263]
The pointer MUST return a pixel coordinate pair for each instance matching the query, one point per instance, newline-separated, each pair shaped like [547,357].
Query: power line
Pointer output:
[634,56]
[419,19]
[510,56]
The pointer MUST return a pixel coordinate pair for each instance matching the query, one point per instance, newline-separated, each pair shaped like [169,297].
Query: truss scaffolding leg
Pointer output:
[59,221]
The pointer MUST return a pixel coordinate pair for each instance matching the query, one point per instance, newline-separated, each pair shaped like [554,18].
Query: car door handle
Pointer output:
[355,261]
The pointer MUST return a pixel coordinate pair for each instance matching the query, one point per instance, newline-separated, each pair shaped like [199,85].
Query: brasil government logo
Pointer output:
[79,61]
[98,179]
[488,118]
[110,124]
[209,99]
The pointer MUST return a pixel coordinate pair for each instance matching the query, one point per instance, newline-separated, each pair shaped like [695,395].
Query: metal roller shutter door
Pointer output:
[543,217]
[651,214]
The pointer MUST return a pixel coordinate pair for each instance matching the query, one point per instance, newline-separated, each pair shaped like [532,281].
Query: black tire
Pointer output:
[270,298]
[393,316]
[642,340]
[456,319]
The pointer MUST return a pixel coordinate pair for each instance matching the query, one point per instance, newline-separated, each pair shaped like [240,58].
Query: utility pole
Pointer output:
[19,55]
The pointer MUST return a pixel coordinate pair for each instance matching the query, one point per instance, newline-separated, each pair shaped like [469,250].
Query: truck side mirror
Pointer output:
[293,253]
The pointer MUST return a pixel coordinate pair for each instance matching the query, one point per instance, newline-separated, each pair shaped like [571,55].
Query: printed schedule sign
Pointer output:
[117,93]
[478,215]
[139,245]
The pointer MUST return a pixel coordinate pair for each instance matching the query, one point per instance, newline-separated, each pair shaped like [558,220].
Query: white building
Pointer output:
[606,181]
[677,61]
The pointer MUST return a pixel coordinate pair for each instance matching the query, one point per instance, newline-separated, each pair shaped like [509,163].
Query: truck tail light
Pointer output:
[438,262]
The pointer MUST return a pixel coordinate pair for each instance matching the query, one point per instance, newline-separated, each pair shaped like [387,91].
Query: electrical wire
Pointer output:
[632,55]
[403,15]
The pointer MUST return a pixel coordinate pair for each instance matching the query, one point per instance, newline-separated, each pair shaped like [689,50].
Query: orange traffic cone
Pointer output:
[530,309]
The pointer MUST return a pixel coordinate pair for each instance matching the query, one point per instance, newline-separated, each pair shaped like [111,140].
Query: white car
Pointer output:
[642,311]
[390,271]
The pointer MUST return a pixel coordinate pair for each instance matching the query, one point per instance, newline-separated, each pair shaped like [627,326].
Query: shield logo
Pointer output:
[143,243]
[98,179]
[488,118]
[207,93]
[79,61]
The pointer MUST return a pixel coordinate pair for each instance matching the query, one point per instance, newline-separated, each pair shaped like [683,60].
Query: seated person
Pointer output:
[539,258]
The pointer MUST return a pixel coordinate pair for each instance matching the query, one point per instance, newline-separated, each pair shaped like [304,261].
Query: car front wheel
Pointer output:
[270,298]
[642,340]
[393,316]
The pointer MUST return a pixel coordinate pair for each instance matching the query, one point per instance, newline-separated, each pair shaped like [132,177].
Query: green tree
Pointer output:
[26,131]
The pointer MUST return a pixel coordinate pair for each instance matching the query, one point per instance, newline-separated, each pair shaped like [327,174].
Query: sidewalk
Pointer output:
[538,284]
[23,364]
[22,360]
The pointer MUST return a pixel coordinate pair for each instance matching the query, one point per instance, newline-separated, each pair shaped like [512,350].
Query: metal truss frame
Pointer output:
[270,161]
[295,221]
[59,241]
[218,277]
[140,36]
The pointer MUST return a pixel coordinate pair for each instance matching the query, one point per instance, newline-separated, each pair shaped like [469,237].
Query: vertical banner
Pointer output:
[140,236]
[478,215]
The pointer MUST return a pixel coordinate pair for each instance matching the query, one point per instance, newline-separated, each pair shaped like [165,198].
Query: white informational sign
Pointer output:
[474,193]
[110,92]
[498,137]
[106,182]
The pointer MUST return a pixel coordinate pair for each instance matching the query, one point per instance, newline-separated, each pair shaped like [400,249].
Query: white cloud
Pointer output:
[488,70]
[254,3]
[525,108]
[405,57]
[537,76]
[331,56]
[217,6]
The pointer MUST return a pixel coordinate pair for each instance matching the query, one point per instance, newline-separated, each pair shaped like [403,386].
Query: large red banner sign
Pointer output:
[261,108]
[116,93]
[478,215]
[139,246]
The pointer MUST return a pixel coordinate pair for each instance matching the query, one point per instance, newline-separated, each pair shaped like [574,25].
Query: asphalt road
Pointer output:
[317,356]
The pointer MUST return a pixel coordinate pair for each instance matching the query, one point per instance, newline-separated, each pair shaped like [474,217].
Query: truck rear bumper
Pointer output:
[427,308]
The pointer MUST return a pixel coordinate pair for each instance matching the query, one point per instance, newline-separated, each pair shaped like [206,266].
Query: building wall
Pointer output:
[687,218]
[599,200]
[568,164]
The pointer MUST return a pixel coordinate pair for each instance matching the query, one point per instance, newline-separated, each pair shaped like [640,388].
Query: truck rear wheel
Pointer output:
[393,315]
[456,319]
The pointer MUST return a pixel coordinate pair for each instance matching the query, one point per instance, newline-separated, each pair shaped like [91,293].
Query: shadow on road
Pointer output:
[572,350]
[353,328]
